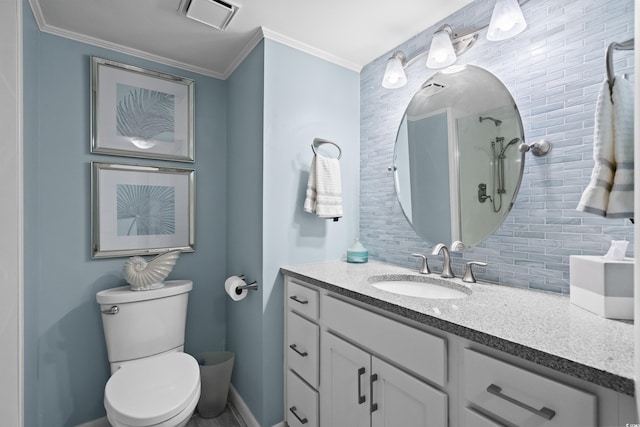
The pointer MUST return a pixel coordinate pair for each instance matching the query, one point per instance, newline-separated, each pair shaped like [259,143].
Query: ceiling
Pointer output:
[350,33]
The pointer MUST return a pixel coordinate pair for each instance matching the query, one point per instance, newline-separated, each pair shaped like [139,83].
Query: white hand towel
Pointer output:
[621,197]
[595,197]
[324,188]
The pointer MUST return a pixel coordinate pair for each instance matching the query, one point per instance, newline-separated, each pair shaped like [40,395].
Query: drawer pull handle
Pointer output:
[545,412]
[301,353]
[296,299]
[361,397]
[374,406]
[295,414]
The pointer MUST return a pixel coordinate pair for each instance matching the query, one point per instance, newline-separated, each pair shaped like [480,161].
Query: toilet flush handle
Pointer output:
[113,310]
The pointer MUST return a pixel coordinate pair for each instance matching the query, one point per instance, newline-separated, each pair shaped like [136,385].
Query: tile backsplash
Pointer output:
[554,70]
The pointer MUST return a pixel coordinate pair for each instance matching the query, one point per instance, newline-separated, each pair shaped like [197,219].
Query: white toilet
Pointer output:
[153,383]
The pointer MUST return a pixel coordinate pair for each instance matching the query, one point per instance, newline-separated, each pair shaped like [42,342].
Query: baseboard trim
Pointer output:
[241,408]
[100,422]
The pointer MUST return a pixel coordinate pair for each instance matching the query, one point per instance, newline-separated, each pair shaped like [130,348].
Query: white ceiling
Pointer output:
[350,33]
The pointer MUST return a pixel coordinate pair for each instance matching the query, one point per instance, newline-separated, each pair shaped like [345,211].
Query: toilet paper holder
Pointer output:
[253,285]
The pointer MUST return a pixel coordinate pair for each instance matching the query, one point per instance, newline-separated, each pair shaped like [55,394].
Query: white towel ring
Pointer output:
[319,141]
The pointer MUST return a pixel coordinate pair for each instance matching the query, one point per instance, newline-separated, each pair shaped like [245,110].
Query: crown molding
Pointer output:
[246,50]
[251,44]
[288,41]
[56,31]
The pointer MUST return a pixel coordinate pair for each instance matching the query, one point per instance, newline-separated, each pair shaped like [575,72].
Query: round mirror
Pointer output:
[457,164]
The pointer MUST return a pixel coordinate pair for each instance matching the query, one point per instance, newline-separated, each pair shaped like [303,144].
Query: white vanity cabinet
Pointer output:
[348,364]
[361,390]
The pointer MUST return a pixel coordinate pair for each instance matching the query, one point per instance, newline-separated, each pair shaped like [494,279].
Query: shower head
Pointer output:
[495,121]
[513,141]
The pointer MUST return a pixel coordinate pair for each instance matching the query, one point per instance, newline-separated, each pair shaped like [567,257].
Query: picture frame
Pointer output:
[141,210]
[137,112]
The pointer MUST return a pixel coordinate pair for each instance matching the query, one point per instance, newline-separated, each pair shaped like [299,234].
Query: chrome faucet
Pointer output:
[447,272]
[425,264]
[468,272]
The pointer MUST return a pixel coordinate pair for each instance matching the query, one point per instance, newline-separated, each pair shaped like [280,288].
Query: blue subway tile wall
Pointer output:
[554,70]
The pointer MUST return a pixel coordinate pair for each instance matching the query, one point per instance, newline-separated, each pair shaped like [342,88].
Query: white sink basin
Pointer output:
[421,287]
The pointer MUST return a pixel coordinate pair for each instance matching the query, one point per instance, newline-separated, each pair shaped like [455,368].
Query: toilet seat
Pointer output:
[153,390]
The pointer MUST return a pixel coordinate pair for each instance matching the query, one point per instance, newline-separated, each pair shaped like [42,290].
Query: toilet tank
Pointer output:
[145,323]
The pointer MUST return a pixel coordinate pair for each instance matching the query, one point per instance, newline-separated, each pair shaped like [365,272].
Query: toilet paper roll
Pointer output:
[231,287]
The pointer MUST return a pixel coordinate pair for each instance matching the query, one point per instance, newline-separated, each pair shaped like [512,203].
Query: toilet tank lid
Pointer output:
[124,294]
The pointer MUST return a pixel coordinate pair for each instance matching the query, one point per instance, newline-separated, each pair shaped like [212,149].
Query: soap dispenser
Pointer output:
[357,253]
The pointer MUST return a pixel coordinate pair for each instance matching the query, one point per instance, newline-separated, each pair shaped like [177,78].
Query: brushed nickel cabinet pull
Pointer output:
[295,348]
[361,397]
[545,412]
[295,414]
[374,406]
[296,299]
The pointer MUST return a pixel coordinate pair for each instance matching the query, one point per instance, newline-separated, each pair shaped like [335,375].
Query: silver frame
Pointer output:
[97,62]
[96,251]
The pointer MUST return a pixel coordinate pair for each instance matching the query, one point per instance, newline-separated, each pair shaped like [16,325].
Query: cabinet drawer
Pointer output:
[524,398]
[474,419]
[302,403]
[415,350]
[303,340]
[302,299]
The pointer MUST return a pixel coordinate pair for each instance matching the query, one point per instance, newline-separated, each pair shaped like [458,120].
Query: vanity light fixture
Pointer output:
[507,20]
[394,76]
[441,52]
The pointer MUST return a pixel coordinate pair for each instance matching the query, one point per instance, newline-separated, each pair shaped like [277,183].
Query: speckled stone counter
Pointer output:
[541,327]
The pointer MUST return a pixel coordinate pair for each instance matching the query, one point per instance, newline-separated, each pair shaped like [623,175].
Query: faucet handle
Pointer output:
[425,264]
[468,272]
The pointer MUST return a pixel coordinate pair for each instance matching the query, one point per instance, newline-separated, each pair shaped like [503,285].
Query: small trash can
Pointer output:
[215,377]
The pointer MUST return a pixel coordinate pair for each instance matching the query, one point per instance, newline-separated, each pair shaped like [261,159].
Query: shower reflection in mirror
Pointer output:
[498,156]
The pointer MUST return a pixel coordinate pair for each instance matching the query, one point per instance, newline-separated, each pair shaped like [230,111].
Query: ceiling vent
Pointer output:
[215,13]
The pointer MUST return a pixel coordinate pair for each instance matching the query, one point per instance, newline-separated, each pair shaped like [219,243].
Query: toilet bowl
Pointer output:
[153,383]
[159,391]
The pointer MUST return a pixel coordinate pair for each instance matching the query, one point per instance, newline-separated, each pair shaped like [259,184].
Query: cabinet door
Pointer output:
[344,385]
[398,399]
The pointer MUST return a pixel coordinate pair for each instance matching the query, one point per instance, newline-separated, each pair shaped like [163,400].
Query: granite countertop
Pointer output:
[541,327]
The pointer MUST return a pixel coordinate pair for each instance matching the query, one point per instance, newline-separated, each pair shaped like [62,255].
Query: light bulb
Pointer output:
[441,52]
[394,76]
[507,20]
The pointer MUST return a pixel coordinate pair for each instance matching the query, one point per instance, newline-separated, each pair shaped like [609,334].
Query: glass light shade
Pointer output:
[441,53]
[507,20]
[394,76]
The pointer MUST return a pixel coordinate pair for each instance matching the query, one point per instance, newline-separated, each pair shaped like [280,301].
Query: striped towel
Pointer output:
[610,191]
[324,188]
[621,197]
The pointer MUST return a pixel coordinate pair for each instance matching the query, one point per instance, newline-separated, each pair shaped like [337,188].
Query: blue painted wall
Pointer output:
[305,97]
[65,362]
[554,70]
[279,100]
[244,223]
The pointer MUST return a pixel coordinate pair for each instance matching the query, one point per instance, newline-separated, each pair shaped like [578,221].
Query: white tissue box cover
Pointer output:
[602,286]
